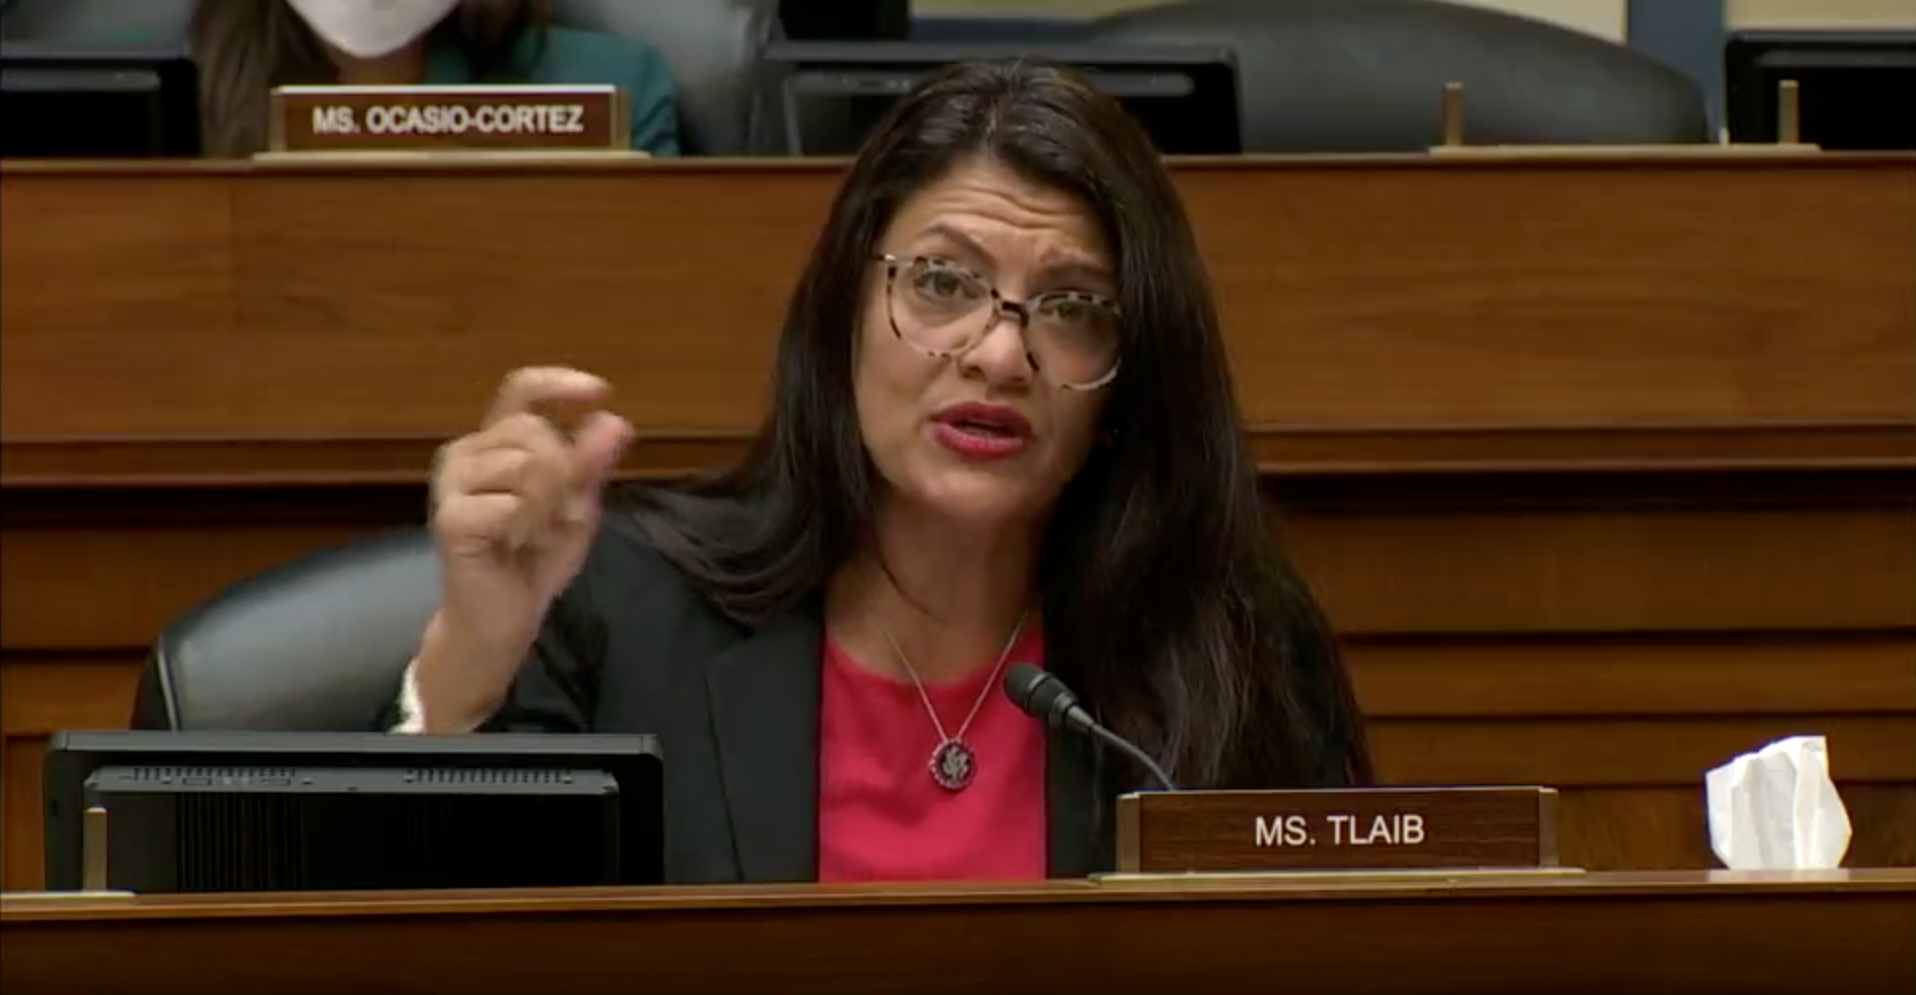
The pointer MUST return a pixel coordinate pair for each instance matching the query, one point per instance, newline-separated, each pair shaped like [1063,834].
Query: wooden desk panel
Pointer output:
[1606,470]
[1757,308]
[1625,804]
[1601,933]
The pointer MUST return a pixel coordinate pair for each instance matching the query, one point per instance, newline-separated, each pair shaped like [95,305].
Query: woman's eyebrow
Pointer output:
[1078,270]
[1073,267]
[966,244]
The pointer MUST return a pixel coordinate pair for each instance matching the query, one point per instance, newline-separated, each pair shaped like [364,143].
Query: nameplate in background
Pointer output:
[1337,830]
[422,118]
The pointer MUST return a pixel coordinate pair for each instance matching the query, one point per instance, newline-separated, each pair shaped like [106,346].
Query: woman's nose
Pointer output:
[999,355]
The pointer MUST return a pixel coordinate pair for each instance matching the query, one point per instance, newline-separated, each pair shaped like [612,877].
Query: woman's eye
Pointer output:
[943,283]
[1069,312]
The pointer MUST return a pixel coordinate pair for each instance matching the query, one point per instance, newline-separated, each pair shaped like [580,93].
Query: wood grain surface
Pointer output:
[1487,309]
[1596,933]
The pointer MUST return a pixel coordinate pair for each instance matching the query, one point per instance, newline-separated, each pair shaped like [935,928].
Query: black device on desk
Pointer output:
[62,101]
[154,812]
[831,94]
[1856,90]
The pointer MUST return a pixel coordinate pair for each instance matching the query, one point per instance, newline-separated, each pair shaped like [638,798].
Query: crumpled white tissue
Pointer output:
[1777,809]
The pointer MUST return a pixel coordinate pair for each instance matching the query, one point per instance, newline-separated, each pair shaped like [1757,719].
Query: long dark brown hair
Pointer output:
[244,48]
[1167,602]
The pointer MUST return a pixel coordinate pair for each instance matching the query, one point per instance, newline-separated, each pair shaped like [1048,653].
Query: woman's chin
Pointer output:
[974,500]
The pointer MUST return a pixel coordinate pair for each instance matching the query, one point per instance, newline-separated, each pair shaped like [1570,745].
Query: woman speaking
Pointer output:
[1002,431]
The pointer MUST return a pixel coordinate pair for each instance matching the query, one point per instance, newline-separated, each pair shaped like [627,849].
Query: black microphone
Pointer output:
[1045,698]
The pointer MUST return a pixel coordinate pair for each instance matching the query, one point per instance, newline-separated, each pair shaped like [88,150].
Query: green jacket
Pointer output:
[571,56]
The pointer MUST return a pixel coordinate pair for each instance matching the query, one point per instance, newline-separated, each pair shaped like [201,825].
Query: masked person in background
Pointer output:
[244,48]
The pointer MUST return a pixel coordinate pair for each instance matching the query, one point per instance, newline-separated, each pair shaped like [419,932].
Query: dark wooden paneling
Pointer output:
[1506,568]
[1500,563]
[115,587]
[1371,298]
[1495,294]
[1601,933]
[1632,793]
[1674,675]
[1665,828]
[671,451]
[86,268]
[1629,751]
[38,697]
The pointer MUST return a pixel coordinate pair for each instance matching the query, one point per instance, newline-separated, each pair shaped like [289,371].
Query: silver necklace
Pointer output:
[953,763]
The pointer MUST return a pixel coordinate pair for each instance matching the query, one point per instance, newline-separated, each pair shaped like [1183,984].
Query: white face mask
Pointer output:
[371,28]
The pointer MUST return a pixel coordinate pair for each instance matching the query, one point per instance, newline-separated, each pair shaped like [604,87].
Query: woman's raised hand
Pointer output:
[515,506]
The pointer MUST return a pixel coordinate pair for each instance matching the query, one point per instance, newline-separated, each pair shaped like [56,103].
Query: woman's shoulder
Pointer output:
[574,55]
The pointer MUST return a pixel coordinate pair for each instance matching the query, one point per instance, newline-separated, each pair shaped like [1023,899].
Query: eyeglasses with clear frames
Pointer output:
[944,309]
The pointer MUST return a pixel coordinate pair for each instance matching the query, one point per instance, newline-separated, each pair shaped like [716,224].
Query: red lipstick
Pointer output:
[979,431]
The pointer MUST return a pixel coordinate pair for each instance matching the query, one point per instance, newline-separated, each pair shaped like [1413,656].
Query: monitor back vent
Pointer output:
[487,776]
[177,774]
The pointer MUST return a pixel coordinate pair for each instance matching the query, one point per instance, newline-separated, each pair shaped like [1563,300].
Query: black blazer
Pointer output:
[629,647]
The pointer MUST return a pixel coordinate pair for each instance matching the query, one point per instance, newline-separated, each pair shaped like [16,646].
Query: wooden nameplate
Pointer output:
[1365,829]
[1788,138]
[362,119]
[1635,152]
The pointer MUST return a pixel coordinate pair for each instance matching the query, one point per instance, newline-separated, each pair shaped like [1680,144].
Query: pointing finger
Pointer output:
[554,392]
[596,449]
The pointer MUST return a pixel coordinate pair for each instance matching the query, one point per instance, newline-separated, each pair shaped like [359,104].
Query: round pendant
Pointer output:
[952,765]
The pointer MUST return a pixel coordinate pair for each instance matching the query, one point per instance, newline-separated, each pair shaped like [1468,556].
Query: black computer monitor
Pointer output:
[844,20]
[272,811]
[831,94]
[63,101]
[1856,90]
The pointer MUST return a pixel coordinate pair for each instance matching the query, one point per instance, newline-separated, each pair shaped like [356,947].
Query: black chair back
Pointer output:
[712,47]
[318,644]
[1358,76]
